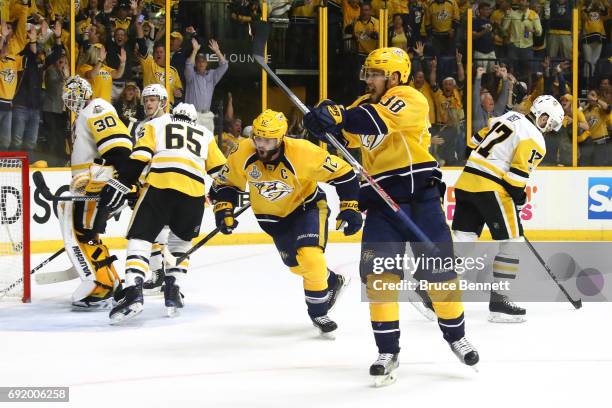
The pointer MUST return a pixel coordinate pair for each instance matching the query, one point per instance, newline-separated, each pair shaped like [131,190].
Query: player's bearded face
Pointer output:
[266,148]
[376,83]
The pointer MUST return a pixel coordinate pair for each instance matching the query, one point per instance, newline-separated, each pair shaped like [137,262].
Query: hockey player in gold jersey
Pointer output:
[180,152]
[282,175]
[390,126]
[491,189]
[101,145]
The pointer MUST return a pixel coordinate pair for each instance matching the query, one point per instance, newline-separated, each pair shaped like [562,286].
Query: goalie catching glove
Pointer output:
[224,217]
[349,214]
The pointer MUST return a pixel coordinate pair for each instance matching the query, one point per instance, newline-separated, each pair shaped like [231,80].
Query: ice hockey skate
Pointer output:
[326,326]
[503,310]
[172,296]
[130,303]
[383,369]
[465,352]
[334,293]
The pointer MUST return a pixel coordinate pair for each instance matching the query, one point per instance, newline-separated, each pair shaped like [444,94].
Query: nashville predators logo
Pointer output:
[272,190]
[443,15]
[8,75]
[371,142]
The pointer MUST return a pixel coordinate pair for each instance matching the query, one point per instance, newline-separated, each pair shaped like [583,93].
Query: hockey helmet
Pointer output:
[185,111]
[547,104]
[155,90]
[77,91]
[270,125]
[388,60]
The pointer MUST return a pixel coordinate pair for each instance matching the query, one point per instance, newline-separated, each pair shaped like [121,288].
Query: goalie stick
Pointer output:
[41,185]
[576,303]
[259,43]
[170,260]
[56,276]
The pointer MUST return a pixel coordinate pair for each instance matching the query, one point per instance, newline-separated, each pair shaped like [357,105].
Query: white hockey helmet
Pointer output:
[77,91]
[185,111]
[547,104]
[155,90]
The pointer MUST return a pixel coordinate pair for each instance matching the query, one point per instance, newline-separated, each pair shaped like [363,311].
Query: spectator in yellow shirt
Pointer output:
[366,31]
[153,66]
[596,149]
[100,75]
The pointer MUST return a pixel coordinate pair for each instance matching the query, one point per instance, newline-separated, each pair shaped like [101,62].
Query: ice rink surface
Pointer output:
[244,340]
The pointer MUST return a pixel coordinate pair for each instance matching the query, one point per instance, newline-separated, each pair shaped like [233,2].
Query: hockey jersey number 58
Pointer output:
[180,153]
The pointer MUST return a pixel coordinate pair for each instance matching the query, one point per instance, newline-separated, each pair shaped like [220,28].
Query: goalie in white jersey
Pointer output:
[101,145]
[179,153]
[491,189]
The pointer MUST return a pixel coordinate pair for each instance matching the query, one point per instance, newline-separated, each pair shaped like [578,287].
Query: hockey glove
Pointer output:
[325,117]
[349,214]
[224,217]
[112,195]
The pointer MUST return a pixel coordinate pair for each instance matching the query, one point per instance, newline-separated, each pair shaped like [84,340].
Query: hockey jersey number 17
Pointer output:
[508,153]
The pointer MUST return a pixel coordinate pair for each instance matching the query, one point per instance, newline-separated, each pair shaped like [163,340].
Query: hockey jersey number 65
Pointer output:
[180,153]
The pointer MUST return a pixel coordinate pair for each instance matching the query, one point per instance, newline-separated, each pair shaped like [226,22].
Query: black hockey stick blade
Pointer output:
[41,185]
[262,31]
[577,303]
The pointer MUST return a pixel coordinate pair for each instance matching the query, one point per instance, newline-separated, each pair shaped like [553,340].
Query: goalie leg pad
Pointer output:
[91,260]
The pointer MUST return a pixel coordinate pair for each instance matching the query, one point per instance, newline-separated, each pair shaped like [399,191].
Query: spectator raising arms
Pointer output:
[100,75]
[154,67]
[201,81]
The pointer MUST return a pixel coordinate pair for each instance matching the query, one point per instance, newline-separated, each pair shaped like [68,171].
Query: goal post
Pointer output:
[14,225]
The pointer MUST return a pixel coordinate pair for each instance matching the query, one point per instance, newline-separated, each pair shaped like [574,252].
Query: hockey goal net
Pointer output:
[14,226]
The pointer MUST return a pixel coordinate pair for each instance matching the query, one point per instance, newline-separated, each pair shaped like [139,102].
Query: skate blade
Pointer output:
[384,380]
[428,313]
[496,317]
[347,281]
[133,311]
[92,307]
[327,336]
[157,292]
[172,311]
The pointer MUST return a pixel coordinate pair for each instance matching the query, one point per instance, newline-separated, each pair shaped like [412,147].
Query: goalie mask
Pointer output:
[77,91]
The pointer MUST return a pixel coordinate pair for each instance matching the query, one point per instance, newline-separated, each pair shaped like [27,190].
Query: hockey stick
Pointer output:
[576,303]
[48,278]
[60,276]
[171,260]
[259,44]
[6,290]
[41,185]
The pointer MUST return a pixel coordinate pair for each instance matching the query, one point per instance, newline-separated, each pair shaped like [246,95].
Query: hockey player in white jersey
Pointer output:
[154,99]
[179,152]
[491,189]
[101,144]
